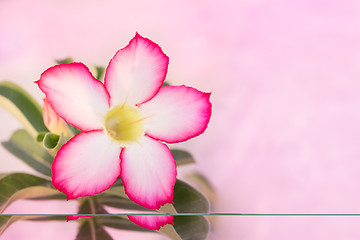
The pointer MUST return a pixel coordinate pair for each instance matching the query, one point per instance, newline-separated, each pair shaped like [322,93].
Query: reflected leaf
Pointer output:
[22,186]
[91,229]
[191,227]
[121,222]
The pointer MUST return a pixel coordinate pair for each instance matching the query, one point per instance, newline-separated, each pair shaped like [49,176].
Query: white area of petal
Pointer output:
[86,165]
[148,171]
[176,114]
[136,72]
[75,95]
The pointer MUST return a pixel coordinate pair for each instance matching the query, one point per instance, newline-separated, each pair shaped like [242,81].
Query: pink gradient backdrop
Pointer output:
[284,136]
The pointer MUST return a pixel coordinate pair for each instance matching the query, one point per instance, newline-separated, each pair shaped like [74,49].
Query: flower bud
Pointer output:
[53,122]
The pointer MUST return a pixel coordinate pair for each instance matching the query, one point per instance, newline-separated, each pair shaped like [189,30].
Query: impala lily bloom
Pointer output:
[123,122]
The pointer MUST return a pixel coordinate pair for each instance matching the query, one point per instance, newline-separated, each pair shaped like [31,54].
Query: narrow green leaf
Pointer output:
[100,71]
[25,147]
[65,60]
[92,230]
[116,197]
[36,218]
[23,106]
[120,202]
[6,221]
[56,196]
[191,227]
[121,222]
[21,186]
[182,157]
[203,184]
[90,205]
[188,200]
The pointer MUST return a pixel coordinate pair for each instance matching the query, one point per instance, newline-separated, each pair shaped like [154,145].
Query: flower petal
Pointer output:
[136,72]
[152,222]
[148,172]
[75,217]
[176,114]
[75,95]
[86,165]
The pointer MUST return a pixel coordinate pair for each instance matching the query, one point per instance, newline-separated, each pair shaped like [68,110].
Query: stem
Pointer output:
[91,221]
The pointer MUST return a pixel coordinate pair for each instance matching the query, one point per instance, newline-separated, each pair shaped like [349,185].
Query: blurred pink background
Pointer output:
[284,77]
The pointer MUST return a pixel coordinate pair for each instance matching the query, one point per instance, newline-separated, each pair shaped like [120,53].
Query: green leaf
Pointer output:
[100,71]
[23,106]
[90,205]
[22,186]
[55,196]
[116,197]
[191,227]
[182,157]
[36,218]
[65,60]
[117,201]
[188,200]
[92,230]
[203,184]
[7,220]
[165,84]
[24,146]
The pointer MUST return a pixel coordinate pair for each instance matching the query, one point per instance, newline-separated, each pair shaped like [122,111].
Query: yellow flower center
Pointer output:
[124,124]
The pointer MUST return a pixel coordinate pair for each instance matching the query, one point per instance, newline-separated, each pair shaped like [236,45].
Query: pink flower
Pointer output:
[123,122]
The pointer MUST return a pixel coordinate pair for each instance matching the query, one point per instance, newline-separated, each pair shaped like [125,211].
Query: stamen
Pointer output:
[124,124]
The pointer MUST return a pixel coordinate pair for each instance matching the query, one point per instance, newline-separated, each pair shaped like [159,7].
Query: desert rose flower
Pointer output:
[124,122]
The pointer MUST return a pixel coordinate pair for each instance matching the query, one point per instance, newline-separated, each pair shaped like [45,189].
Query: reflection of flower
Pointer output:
[123,121]
[53,122]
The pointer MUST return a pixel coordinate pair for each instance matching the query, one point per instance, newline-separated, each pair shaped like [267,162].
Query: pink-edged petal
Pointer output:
[86,165]
[152,222]
[136,72]
[75,95]
[75,217]
[176,114]
[148,172]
